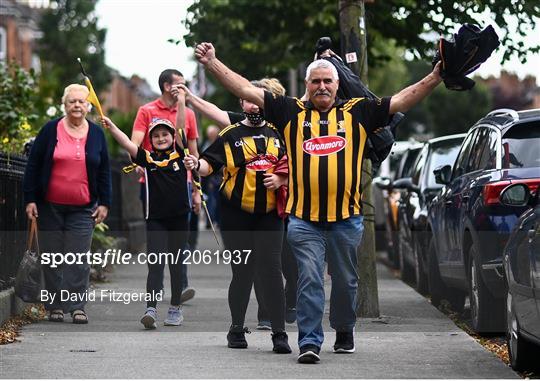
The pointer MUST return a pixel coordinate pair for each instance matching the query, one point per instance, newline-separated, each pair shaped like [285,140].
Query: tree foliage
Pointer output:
[124,121]
[264,37]
[444,112]
[17,107]
[70,30]
[409,21]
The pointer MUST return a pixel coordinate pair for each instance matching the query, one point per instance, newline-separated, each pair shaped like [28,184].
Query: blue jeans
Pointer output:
[312,243]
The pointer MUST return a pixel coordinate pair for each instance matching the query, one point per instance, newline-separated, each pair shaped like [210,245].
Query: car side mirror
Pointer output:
[515,195]
[443,174]
[382,182]
[406,183]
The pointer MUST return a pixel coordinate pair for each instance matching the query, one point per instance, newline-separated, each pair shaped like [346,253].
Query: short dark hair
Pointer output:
[166,76]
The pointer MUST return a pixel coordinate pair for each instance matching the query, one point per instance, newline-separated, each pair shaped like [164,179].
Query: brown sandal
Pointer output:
[56,316]
[79,317]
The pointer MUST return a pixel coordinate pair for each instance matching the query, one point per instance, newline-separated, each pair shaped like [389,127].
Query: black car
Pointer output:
[522,275]
[392,197]
[470,227]
[418,192]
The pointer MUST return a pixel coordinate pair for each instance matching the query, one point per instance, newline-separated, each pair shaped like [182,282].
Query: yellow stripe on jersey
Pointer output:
[229,173]
[161,163]
[290,164]
[273,144]
[250,179]
[298,165]
[347,106]
[358,195]
[300,104]
[347,124]
[222,132]
[332,166]
[270,201]
[314,170]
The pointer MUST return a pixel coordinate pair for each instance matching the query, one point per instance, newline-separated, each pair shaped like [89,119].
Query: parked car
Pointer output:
[392,197]
[418,192]
[387,170]
[522,275]
[469,225]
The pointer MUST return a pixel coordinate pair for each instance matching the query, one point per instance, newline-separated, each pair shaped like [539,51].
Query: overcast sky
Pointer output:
[137,35]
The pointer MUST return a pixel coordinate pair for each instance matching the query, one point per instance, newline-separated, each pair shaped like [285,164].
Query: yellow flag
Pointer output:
[92,97]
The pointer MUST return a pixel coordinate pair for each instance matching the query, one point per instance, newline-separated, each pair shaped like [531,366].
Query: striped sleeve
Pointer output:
[215,154]
[142,157]
[372,113]
[278,109]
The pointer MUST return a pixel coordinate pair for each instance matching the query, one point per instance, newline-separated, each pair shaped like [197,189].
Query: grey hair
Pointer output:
[74,87]
[322,64]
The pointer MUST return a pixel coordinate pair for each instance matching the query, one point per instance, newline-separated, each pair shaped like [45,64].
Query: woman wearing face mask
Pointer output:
[248,151]
[288,262]
[67,187]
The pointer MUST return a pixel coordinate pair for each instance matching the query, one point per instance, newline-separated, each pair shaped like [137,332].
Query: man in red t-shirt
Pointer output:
[166,107]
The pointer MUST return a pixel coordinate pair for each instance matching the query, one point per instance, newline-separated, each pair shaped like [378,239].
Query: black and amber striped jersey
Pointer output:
[246,153]
[166,183]
[325,151]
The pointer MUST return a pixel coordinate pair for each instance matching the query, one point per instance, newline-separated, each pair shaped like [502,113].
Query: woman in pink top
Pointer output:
[67,187]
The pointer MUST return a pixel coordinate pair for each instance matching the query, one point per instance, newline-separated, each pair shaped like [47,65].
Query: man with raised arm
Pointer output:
[325,139]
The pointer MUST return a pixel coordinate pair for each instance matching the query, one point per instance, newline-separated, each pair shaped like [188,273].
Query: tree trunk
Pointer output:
[354,49]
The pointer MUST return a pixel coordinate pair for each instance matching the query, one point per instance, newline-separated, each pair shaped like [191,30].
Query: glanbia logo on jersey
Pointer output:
[262,162]
[324,145]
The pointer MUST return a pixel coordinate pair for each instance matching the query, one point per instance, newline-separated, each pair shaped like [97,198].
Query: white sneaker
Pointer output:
[149,318]
[187,294]
[174,316]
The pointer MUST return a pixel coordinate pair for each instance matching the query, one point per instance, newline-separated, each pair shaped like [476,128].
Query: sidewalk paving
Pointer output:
[411,340]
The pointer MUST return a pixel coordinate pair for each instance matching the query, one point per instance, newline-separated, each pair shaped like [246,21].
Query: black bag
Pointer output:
[380,142]
[29,280]
[462,55]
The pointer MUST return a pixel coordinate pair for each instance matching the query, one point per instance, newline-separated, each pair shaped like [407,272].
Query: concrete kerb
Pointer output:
[10,304]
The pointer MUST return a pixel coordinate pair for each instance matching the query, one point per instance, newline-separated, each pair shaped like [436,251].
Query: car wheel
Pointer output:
[522,353]
[419,269]
[437,288]
[487,312]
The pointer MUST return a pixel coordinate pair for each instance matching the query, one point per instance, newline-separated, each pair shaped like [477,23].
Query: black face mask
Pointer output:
[255,119]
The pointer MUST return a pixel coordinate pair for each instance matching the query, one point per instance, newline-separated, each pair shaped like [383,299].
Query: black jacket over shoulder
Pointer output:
[39,166]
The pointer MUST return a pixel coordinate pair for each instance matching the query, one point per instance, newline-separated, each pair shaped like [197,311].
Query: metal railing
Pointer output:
[12,217]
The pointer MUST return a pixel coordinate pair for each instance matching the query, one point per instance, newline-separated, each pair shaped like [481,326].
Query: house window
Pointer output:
[3,43]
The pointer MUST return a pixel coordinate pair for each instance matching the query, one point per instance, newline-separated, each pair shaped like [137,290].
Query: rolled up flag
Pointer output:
[92,97]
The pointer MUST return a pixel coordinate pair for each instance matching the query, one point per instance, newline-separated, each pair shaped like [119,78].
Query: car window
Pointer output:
[444,154]
[475,157]
[488,160]
[461,162]
[420,161]
[407,162]
[395,159]
[521,146]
